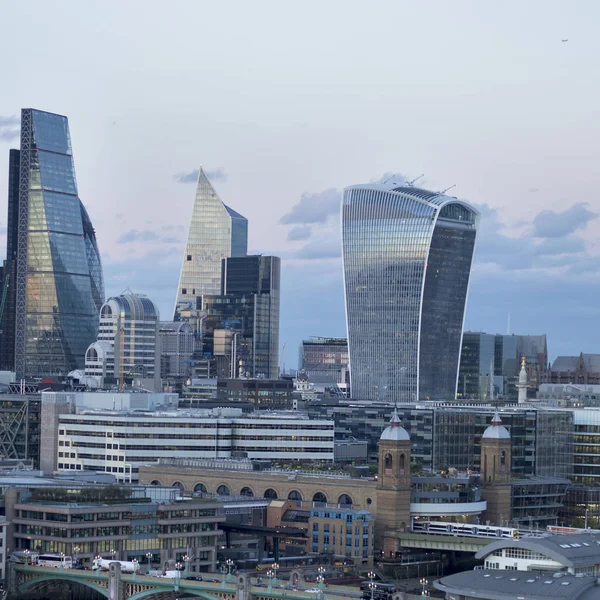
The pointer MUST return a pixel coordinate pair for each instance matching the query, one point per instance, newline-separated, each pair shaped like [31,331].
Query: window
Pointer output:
[183,291]
[189,257]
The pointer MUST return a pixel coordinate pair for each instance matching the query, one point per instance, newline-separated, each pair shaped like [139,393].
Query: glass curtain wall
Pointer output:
[407,258]
[59,274]
[216,232]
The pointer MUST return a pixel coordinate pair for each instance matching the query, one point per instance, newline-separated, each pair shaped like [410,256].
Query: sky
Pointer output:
[286,103]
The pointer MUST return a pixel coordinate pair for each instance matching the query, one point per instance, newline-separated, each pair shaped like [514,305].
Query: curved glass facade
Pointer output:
[407,256]
[59,275]
[216,232]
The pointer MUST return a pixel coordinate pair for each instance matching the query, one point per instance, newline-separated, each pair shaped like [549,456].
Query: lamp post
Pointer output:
[371,575]
[229,564]
[270,576]
[113,552]
[27,553]
[321,576]
[62,559]
[224,573]
[186,561]
[275,567]
[135,567]
[149,559]
[76,550]
[178,567]
[423,582]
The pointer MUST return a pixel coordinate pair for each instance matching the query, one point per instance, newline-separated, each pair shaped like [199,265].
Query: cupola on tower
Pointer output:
[496,459]
[393,485]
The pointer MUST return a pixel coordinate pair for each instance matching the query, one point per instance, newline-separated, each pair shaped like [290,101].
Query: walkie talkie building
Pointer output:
[56,286]
[407,256]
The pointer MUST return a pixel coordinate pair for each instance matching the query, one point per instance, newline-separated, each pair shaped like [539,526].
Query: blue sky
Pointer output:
[285,103]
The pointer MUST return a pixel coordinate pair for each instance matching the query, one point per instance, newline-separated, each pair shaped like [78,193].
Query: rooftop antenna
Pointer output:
[447,189]
[391,177]
[411,183]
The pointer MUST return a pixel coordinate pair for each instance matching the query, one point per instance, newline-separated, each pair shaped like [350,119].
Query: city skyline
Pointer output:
[482,105]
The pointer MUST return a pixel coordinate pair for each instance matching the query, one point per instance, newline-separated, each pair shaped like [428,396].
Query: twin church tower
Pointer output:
[394,485]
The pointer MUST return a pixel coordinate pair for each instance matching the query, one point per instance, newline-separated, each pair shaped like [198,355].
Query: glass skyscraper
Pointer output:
[407,256]
[216,232]
[53,299]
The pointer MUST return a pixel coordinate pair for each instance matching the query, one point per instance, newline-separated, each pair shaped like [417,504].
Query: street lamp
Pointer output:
[186,560]
[270,576]
[113,553]
[275,567]
[62,559]
[371,575]
[27,553]
[423,582]
[149,559]
[224,573]
[135,567]
[321,576]
[76,550]
[229,564]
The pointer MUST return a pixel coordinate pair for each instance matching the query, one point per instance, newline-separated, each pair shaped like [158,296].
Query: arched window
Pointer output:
[503,458]
[246,491]
[295,495]
[320,497]
[270,494]
[402,463]
[388,464]
[178,485]
[156,482]
[345,500]
[223,490]
[200,488]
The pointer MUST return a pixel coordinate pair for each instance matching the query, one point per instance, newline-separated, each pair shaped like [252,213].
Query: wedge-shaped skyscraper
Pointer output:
[53,286]
[216,232]
[407,256]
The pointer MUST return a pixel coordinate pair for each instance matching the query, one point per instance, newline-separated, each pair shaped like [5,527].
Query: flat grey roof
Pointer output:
[519,585]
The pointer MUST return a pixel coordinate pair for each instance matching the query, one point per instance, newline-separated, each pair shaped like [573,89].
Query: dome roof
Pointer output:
[496,431]
[394,432]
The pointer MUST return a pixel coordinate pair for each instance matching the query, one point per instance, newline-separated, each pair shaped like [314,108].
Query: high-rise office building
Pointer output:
[324,360]
[216,232]
[483,353]
[244,318]
[407,256]
[128,342]
[55,287]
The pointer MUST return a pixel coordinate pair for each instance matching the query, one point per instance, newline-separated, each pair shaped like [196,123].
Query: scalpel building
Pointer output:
[407,256]
[53,284]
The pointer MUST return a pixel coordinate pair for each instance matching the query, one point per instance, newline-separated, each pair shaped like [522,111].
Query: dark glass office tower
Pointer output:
[249,307]
[58,284]
[407,256]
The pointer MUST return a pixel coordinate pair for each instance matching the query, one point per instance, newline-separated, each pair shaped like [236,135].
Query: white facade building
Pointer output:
[573,553]
[118,442]
[128,343]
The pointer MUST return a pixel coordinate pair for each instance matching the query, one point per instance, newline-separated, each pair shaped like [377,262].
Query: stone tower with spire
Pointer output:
[393,486]
[522,385]
[496,459]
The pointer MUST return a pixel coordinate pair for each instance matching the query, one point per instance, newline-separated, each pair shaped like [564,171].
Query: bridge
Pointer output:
[116,585]
[456,543]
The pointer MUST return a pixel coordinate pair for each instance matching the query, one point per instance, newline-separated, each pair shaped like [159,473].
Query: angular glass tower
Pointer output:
[216,232]
[59,287]
[407,256]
